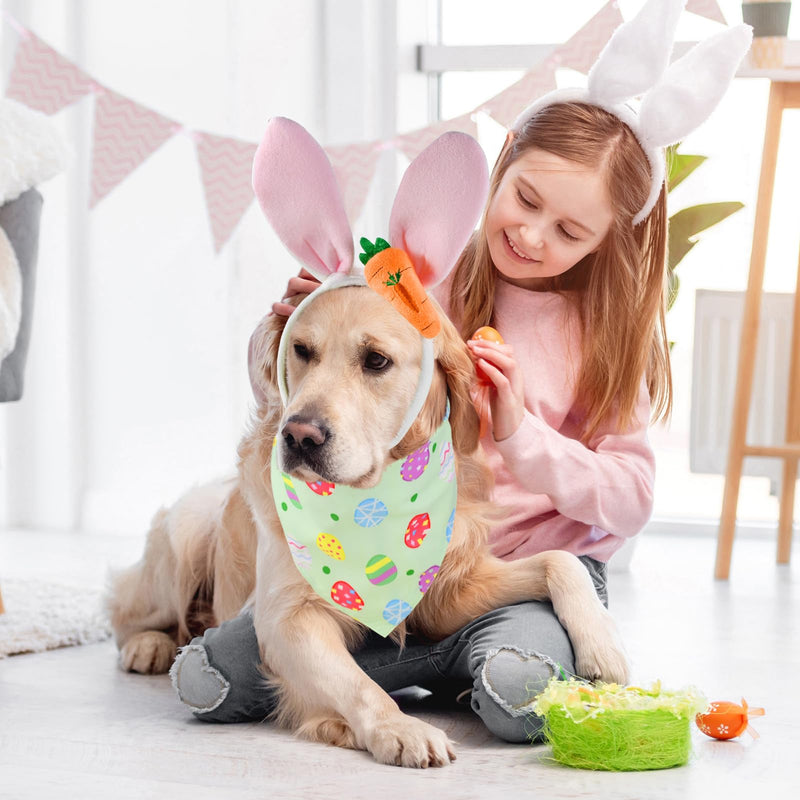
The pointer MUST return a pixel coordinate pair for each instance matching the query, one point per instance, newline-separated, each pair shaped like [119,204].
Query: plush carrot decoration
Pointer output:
[390,273]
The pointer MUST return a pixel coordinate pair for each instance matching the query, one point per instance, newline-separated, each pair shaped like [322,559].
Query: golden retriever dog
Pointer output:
[350,360]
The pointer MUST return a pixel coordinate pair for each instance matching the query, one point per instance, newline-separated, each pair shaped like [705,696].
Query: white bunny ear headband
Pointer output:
[437,205]
[676,98]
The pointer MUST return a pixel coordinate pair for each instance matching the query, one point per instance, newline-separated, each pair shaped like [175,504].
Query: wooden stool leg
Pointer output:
[2,607]
[787,510]
[747,348]
[792,435]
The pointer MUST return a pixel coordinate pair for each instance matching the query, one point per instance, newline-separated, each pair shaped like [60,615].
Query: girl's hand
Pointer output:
[304,283]
[506,396]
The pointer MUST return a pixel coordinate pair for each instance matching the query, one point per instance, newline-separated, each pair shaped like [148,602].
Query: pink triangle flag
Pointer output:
[506,106]
[413,143]
[581,50]
[226,167]
[43,79]
[354,166]
[125,134]
[706,8]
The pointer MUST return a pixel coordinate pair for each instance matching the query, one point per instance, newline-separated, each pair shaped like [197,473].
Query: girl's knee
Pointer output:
[200,686]
[505,688]
[219,675]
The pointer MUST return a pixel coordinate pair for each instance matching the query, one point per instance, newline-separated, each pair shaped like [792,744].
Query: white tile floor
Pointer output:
[73,726]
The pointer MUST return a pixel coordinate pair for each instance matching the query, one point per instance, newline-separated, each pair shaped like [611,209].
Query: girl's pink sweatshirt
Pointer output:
[556,492]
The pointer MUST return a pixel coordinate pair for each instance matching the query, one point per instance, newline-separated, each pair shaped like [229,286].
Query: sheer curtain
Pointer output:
[136,384]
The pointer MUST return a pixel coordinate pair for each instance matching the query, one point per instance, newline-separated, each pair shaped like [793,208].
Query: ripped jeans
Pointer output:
[503,659]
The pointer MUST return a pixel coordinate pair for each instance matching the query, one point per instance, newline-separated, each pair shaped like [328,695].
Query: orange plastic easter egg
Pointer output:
[724,720]
[487,334]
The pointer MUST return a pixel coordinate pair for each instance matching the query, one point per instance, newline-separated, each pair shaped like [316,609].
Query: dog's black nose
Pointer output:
[303,435]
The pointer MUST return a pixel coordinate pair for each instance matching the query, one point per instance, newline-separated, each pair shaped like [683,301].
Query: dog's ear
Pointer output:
[262,357]
[453,358]
[453,377]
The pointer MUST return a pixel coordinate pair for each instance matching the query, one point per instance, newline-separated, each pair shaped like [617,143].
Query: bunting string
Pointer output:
[127,133]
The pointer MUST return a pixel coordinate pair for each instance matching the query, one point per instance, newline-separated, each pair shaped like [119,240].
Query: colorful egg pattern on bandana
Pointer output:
[321,487]
[417,530]
[291,493]
[426,579]
[381,570]
[396,611]
[346,596]
[330,546]
[373,553]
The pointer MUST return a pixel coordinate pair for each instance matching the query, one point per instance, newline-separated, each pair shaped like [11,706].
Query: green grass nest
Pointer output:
[618,728]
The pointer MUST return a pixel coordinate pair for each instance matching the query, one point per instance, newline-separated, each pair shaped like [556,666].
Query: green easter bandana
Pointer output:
[373,553]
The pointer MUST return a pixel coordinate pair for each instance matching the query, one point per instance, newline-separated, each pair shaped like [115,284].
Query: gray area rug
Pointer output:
[42,616]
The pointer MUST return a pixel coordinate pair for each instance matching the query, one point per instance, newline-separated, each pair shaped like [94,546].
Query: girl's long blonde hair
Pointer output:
[620,290]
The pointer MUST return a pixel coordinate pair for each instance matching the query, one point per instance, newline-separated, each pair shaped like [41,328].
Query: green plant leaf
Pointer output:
[688,222]
[674,285]
[684,225]
[680,166]
[677,250]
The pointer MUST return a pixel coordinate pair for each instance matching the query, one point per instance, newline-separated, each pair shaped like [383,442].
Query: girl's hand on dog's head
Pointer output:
[304,283]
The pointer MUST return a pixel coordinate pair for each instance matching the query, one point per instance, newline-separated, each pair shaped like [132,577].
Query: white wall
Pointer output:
[136,381]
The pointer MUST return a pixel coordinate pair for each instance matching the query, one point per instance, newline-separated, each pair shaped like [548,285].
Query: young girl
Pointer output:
[568,264]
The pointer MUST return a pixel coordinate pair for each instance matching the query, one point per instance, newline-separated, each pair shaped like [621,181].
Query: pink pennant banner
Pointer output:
[354,166]
[413,143]
[582,49]
[506,106]
[125,134]
[43,79]
[226,167]
[706,8]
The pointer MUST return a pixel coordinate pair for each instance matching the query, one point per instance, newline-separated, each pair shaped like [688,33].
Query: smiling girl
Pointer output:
[577,292]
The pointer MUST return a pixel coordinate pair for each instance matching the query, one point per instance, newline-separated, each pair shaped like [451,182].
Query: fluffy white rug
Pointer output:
[41,616]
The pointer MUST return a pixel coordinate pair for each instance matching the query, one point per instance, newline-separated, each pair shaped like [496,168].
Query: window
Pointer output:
[471,68]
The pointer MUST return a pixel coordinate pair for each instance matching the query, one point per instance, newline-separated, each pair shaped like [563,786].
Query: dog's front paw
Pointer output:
[408,742]
[599,653]
[149,652]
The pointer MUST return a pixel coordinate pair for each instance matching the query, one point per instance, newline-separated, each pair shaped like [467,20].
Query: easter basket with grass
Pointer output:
[611,727]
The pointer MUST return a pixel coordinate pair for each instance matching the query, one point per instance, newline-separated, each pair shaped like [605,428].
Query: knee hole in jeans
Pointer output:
[512,677]
[199,685]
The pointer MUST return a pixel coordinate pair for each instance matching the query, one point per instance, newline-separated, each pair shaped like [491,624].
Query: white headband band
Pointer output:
[676,98]
[340,280]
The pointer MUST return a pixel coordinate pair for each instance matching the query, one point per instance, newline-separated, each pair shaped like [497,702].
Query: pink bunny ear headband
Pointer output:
[677,98]
[437,205]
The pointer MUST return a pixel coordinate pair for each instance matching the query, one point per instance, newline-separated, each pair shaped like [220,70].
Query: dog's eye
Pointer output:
[302,352]
[375,362]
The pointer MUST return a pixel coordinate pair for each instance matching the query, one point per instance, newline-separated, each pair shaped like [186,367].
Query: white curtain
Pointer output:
[136,384]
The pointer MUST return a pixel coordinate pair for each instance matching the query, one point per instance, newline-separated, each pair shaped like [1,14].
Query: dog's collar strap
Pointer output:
[340,280]
[373,553]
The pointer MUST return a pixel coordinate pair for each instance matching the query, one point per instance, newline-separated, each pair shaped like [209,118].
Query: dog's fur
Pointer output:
[222,545]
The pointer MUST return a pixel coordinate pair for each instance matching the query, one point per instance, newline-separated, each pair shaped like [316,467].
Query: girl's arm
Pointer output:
[608,483]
